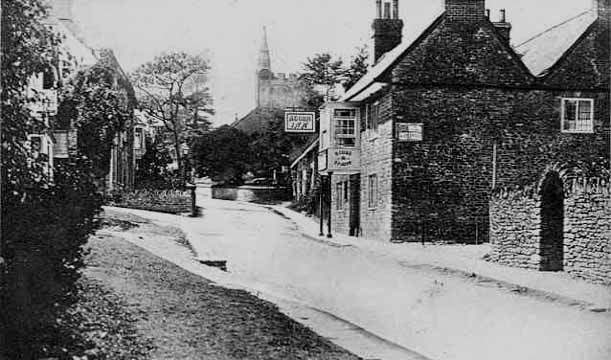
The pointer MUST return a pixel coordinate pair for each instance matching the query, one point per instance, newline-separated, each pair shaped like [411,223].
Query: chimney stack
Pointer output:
[465,11]
[503,27]
[387,30]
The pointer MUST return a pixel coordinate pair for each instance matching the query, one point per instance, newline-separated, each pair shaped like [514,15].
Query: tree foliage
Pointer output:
[44,222]
[223,154]
[172,88]
[322,70]
[357,68]
[100,110]
[152,169]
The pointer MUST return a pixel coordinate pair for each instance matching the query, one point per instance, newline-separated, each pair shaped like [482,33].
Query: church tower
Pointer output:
[264,67]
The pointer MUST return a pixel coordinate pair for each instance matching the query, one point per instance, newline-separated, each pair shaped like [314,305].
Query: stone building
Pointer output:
[562,219]
[273,94]
[447,120]
[74,55]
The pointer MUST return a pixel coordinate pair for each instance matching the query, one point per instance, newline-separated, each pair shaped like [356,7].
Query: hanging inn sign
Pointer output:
[299,122]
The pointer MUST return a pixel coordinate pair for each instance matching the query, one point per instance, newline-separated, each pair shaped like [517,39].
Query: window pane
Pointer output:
[570,110]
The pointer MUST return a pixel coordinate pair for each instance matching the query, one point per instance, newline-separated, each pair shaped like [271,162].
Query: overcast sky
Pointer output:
[230,32]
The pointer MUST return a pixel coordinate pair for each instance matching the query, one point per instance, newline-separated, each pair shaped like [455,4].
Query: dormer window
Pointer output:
[577,115]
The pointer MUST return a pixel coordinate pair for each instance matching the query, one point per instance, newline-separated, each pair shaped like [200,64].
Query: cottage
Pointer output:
[455,115]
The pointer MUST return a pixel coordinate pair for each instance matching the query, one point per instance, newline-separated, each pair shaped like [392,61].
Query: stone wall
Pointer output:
[515,225]
[261,194]
[516,229]
[588,231]
[376,159]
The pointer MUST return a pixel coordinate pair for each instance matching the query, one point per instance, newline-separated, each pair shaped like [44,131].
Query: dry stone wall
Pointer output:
[516,224]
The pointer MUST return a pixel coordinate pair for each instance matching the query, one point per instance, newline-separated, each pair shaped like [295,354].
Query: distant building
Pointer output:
[273,94]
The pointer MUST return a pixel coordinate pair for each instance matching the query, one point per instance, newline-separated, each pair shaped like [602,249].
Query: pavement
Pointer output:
[467,260]
[435,302]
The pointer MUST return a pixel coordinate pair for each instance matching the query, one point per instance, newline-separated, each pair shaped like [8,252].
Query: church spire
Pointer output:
[265,62]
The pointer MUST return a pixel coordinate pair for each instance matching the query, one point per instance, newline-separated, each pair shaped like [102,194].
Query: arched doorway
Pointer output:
[552,223]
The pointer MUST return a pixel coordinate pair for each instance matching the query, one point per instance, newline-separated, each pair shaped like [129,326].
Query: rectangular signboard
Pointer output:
[299,122]
[344,160]
[409,131]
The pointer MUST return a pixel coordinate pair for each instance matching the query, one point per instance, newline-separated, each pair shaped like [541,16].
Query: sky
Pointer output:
[229,33]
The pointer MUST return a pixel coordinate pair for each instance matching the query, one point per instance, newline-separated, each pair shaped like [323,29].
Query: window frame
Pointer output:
[590,129]
[345,120]
[373,116]
[339,191]
[372,191]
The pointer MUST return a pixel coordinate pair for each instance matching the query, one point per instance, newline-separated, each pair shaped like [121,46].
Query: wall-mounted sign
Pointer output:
[299,122]
[409,131]
[323,161]
[344,160]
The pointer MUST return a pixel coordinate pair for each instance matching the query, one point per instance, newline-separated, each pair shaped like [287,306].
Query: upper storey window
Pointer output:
[577,115]
[345,127]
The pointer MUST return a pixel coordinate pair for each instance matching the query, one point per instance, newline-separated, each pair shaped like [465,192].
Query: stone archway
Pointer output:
[551,247]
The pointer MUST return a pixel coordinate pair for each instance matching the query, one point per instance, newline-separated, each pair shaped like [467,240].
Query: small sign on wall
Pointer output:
[299,122]
[409,132]
[323,162]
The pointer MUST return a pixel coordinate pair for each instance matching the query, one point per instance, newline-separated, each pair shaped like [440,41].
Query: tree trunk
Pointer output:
[181,167]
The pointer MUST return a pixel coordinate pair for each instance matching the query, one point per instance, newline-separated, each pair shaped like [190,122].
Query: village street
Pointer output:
[439,315]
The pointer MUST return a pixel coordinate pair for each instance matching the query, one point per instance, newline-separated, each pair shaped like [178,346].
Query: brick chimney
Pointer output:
[603,8]
[503,26]
[387,28]
[61,9]
[466,11]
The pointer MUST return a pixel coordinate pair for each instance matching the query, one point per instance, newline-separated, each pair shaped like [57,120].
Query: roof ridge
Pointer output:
[553,28]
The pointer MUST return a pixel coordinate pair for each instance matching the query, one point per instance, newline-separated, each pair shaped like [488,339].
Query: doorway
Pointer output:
[551,247]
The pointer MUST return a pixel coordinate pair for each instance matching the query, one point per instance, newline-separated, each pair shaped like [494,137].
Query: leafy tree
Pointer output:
[322,70]
[151,172]
[99,111]
[172,88]
[223,154]
[357,68]
[44,223]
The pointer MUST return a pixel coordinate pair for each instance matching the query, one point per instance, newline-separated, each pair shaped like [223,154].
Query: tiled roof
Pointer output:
[542,51]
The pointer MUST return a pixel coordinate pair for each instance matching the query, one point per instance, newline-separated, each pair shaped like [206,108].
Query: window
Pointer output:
[577,115]
[139,139]
[345,127]
[345,192]
[48,78]
[61,144]
[339,204]
[372,187]
[373,116]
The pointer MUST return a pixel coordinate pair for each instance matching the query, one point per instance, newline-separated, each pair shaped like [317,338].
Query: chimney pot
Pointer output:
[488,14]
[378,9]
[386,10]
[395,4]
[503,16]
